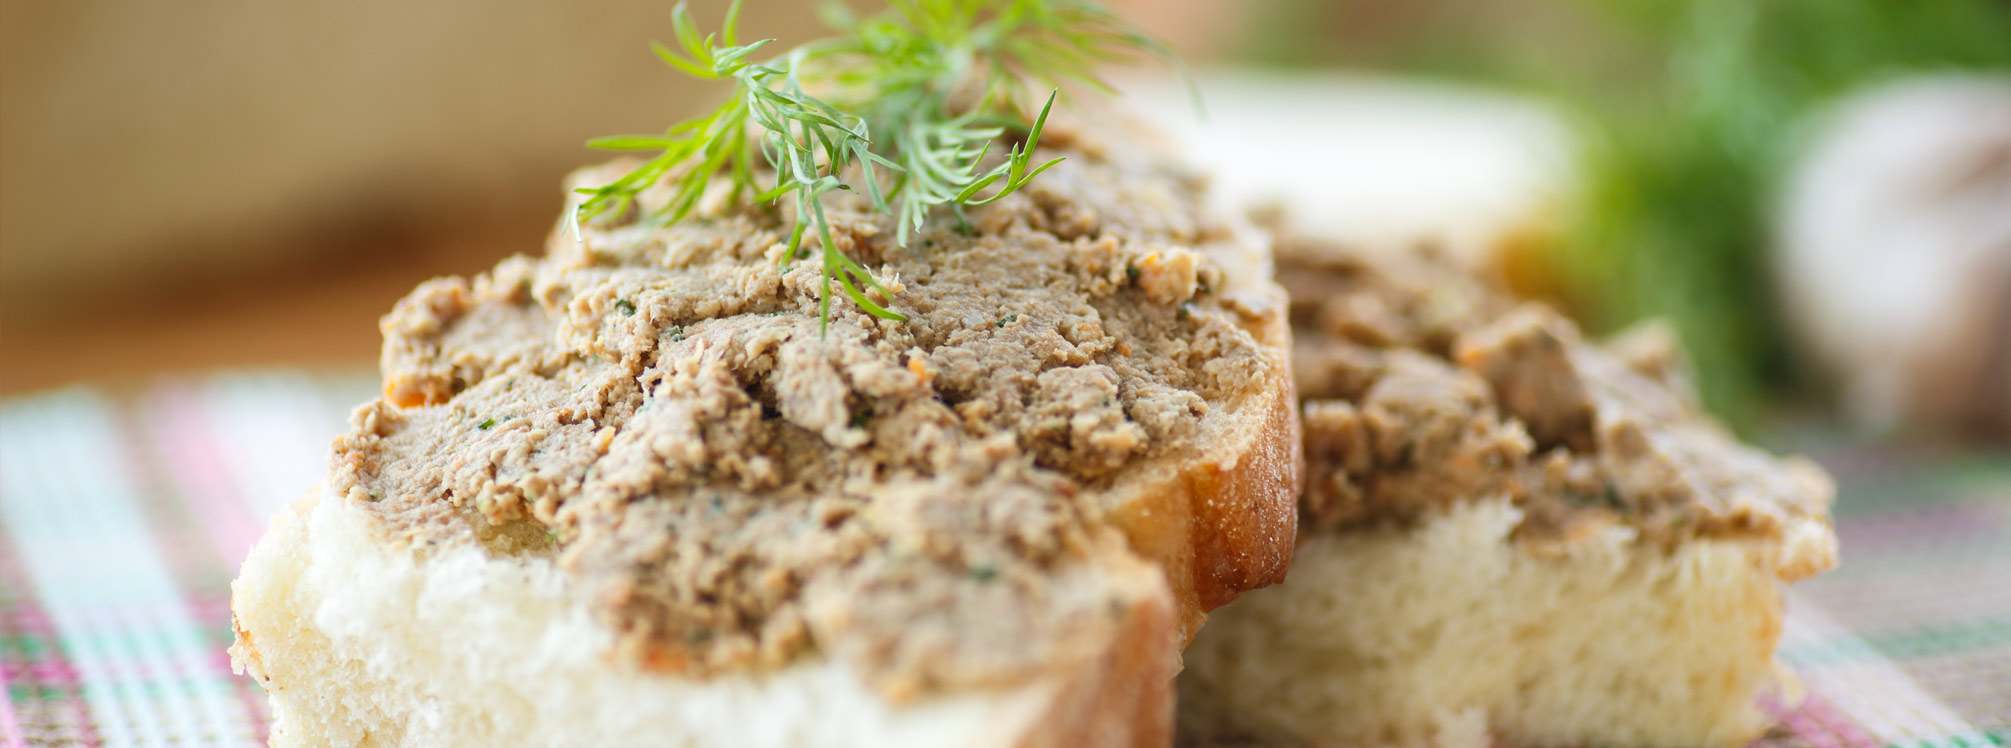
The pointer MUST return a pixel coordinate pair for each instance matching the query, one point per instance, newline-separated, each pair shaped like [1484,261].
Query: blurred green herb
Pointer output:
[1691,110]
[903,107]
[1683,173]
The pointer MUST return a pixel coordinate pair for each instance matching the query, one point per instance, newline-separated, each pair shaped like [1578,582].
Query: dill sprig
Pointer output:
[908,104]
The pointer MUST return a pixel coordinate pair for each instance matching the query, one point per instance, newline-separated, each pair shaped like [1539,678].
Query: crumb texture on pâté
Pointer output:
[1424,386]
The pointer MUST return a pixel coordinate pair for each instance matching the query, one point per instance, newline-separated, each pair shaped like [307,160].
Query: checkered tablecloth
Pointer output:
[124,514]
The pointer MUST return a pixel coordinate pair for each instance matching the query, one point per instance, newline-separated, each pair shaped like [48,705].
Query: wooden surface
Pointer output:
[321,312]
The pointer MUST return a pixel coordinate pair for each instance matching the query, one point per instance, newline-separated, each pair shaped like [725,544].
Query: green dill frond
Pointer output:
[910,102]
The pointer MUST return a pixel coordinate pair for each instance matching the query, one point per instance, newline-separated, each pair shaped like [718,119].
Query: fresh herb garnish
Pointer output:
[907,105]
[486,425]
[627,307]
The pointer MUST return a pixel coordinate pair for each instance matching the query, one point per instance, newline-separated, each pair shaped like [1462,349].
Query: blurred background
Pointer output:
[205,205]
[1817,192]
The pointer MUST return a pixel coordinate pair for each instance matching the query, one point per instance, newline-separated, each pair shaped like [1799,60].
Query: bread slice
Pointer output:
[350,637]
[632,493]
[1509,537]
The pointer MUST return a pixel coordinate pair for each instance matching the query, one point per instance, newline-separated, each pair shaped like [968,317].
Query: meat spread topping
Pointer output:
[1423,386]
[656,407]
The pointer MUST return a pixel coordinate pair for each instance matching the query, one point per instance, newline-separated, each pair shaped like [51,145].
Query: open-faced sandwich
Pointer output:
[912,449]
[1509,536]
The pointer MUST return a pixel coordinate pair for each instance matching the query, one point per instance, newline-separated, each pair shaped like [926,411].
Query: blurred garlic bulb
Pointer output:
[1894,257]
